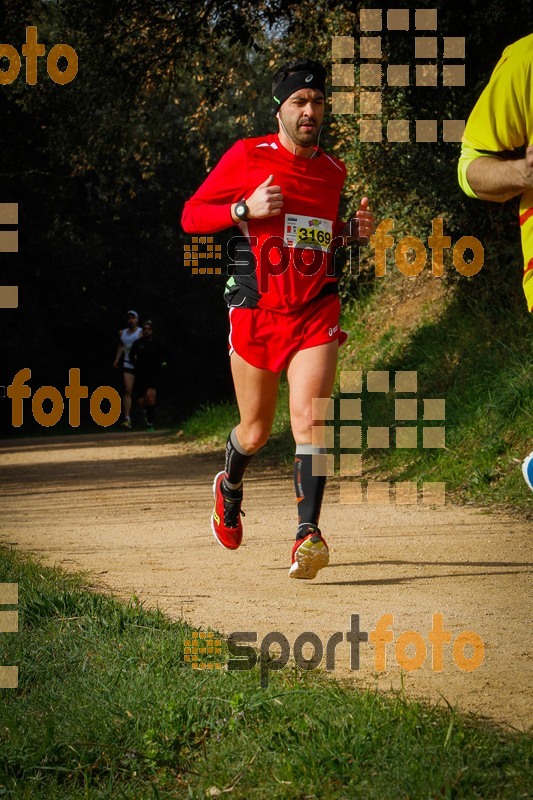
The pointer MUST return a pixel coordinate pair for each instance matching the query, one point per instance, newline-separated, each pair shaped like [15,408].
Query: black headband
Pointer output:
[298,80]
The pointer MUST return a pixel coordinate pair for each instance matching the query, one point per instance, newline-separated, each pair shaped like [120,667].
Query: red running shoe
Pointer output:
[226,520]
[309,555]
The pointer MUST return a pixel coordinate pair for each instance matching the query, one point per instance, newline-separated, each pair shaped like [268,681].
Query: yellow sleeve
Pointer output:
[468,154]
[500,121]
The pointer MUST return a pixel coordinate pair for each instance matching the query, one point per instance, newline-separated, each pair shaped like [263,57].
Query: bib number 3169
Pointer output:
[309,232]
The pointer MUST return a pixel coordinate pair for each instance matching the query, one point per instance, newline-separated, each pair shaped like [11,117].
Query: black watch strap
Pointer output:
[241,210]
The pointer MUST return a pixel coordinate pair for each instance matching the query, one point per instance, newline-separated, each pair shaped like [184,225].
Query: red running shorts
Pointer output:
[268,340]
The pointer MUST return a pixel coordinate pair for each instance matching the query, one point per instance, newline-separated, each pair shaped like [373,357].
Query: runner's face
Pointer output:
[302,114]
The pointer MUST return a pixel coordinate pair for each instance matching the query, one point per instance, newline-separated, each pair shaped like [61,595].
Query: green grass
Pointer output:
[107,707]
[211,423]
[480,362]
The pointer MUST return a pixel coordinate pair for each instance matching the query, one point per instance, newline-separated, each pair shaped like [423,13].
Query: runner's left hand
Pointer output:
[364,224]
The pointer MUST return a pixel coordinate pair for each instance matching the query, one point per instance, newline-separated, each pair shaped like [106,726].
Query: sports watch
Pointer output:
[241,209]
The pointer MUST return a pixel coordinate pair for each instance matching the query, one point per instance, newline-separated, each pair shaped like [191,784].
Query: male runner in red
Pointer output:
[283,193]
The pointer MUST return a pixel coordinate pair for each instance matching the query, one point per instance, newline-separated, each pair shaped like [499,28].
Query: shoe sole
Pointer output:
[527,470]
[215,534]
[309,558]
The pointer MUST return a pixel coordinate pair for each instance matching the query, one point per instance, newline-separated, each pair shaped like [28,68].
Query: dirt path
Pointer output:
[134,510]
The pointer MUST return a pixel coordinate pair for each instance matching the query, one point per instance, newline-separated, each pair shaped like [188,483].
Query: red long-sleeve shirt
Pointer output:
[292,251]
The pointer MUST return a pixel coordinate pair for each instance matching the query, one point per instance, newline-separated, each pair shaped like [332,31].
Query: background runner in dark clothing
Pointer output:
[148,356]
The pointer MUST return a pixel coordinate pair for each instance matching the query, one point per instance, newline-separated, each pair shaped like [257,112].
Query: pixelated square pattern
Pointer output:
[370,19]
[425,47]
[9,242]
[434,409]
[405,409]
[377,381]
[342,74]
[9,296]
[454,47]
[378,492]
[398,130]
[9,677]
[370,103]
[453,75]
[9,213]
[370,75]
[199,647]
[350,409]
[453,129]
[433,437]
[342,47]
[426,130]
[434,494]
[377,437]
[9,594]
[405,493]
[351,464]
[193,252]
[322,408]
[426,74]
[370,130]
[351,493]
[323,465]
[398,75]
[370,47]
[407,437]
[398,19]
[351,436]
[406,381]
[426,19]
[323,436]
[9,621]
[351,381]
[343,103]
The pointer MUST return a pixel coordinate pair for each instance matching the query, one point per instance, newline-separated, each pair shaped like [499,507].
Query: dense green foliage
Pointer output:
[101,167]
[107,707]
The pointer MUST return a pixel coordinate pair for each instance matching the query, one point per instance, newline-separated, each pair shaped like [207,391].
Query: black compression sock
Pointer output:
[309,488]
[305,529]
[237,459]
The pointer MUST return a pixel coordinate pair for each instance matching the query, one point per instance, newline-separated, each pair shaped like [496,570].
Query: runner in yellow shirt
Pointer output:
[490,166]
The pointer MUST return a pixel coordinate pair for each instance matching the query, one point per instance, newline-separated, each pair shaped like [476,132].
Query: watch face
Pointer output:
[241,210]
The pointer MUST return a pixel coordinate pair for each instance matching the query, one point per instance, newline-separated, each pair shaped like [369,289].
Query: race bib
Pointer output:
[306,231]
